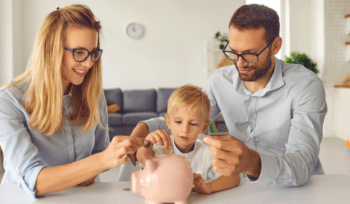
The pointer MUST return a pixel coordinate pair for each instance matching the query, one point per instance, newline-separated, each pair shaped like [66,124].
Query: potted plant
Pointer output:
[303,59]
[222,39]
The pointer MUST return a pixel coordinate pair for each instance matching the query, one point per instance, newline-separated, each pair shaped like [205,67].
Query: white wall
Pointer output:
[19,63]
[169,54]
[318,27]
[6,46]
[335,67]
[342,113]
[317,30]
[299,27]
[171,51]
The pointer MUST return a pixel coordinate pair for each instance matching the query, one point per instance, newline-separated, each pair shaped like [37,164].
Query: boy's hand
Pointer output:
[200,186]
[161,137]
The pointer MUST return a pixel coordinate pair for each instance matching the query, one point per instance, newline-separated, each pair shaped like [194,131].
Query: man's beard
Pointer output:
[257,72]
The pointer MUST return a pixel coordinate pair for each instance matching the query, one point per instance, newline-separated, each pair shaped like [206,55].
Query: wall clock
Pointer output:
[134,30]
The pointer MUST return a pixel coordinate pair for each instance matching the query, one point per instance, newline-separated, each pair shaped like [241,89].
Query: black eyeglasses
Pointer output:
[248,57]
[81,54]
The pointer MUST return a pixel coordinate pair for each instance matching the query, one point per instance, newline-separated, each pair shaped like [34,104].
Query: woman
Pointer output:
[53,117]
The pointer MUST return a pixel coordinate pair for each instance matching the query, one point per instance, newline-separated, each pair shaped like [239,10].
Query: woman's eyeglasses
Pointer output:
[81,54]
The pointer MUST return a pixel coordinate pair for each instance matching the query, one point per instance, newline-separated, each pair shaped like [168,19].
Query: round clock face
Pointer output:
[134,30]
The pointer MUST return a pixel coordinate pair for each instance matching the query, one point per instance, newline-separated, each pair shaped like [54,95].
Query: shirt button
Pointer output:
[71,147]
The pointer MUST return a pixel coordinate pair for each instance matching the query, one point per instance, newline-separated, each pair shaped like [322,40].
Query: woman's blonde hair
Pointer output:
[192,96]
[44,97]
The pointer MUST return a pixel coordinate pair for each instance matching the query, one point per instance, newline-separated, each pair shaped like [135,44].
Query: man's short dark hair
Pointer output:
[257,16]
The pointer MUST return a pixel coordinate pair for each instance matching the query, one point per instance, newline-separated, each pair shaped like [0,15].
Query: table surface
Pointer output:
[319,189]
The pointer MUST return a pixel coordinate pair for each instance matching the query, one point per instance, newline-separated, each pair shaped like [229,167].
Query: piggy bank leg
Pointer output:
[152,202]
[181,202]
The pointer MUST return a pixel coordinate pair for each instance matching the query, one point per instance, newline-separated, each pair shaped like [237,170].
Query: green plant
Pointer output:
[303,59]
[222,39]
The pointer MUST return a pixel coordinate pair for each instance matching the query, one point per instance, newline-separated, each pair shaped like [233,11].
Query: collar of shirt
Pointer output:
[275,82]
[178,152]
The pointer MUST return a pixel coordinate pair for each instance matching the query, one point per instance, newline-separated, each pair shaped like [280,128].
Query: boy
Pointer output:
[187,116]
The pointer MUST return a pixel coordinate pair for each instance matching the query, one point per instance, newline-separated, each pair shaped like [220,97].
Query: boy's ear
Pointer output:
[206,126]
[167,120]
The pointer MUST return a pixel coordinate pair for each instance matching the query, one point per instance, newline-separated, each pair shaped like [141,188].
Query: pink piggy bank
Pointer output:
[164,179]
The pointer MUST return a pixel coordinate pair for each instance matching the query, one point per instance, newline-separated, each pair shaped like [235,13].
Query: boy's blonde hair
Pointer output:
[189,95]
[44,98]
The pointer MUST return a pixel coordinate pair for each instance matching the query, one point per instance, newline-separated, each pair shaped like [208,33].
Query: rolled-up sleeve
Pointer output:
[295,167]
[21,155]
[156,124]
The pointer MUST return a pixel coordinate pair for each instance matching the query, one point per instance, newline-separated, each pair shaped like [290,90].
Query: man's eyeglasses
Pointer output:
[81,54]
[248,57]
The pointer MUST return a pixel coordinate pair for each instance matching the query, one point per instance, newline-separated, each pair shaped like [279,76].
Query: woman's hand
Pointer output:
[120,146]
[200,186]
[161,137]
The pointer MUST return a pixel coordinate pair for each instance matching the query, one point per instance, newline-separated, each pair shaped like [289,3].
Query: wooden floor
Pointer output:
[334,156]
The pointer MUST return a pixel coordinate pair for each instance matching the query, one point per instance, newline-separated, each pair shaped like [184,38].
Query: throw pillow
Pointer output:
[112,108]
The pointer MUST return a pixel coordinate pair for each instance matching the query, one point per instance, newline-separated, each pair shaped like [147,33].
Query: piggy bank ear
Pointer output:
[151,165]
[146,157]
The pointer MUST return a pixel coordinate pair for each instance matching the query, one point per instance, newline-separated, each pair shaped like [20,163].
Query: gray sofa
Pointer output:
[136,105]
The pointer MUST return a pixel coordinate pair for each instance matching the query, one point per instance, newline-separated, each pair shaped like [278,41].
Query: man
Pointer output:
[274,111]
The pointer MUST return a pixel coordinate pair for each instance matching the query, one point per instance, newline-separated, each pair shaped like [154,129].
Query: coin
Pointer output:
[148,145]
[126,189]
[167,151]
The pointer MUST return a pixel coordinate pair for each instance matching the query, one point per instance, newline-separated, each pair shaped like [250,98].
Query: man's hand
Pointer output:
[231,156]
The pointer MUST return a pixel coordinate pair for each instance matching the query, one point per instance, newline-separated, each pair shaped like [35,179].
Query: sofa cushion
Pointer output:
[162,114]
[115,119]
[139,101]
[114,96]
[134,118]
[163,95]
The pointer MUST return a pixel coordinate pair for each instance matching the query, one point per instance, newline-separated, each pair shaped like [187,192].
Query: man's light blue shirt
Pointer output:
[283,122]
[27,151]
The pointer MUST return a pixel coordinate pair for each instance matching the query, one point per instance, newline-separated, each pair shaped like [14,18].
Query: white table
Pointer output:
[319,189]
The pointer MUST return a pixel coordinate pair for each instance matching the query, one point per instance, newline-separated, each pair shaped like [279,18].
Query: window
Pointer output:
[275,5]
